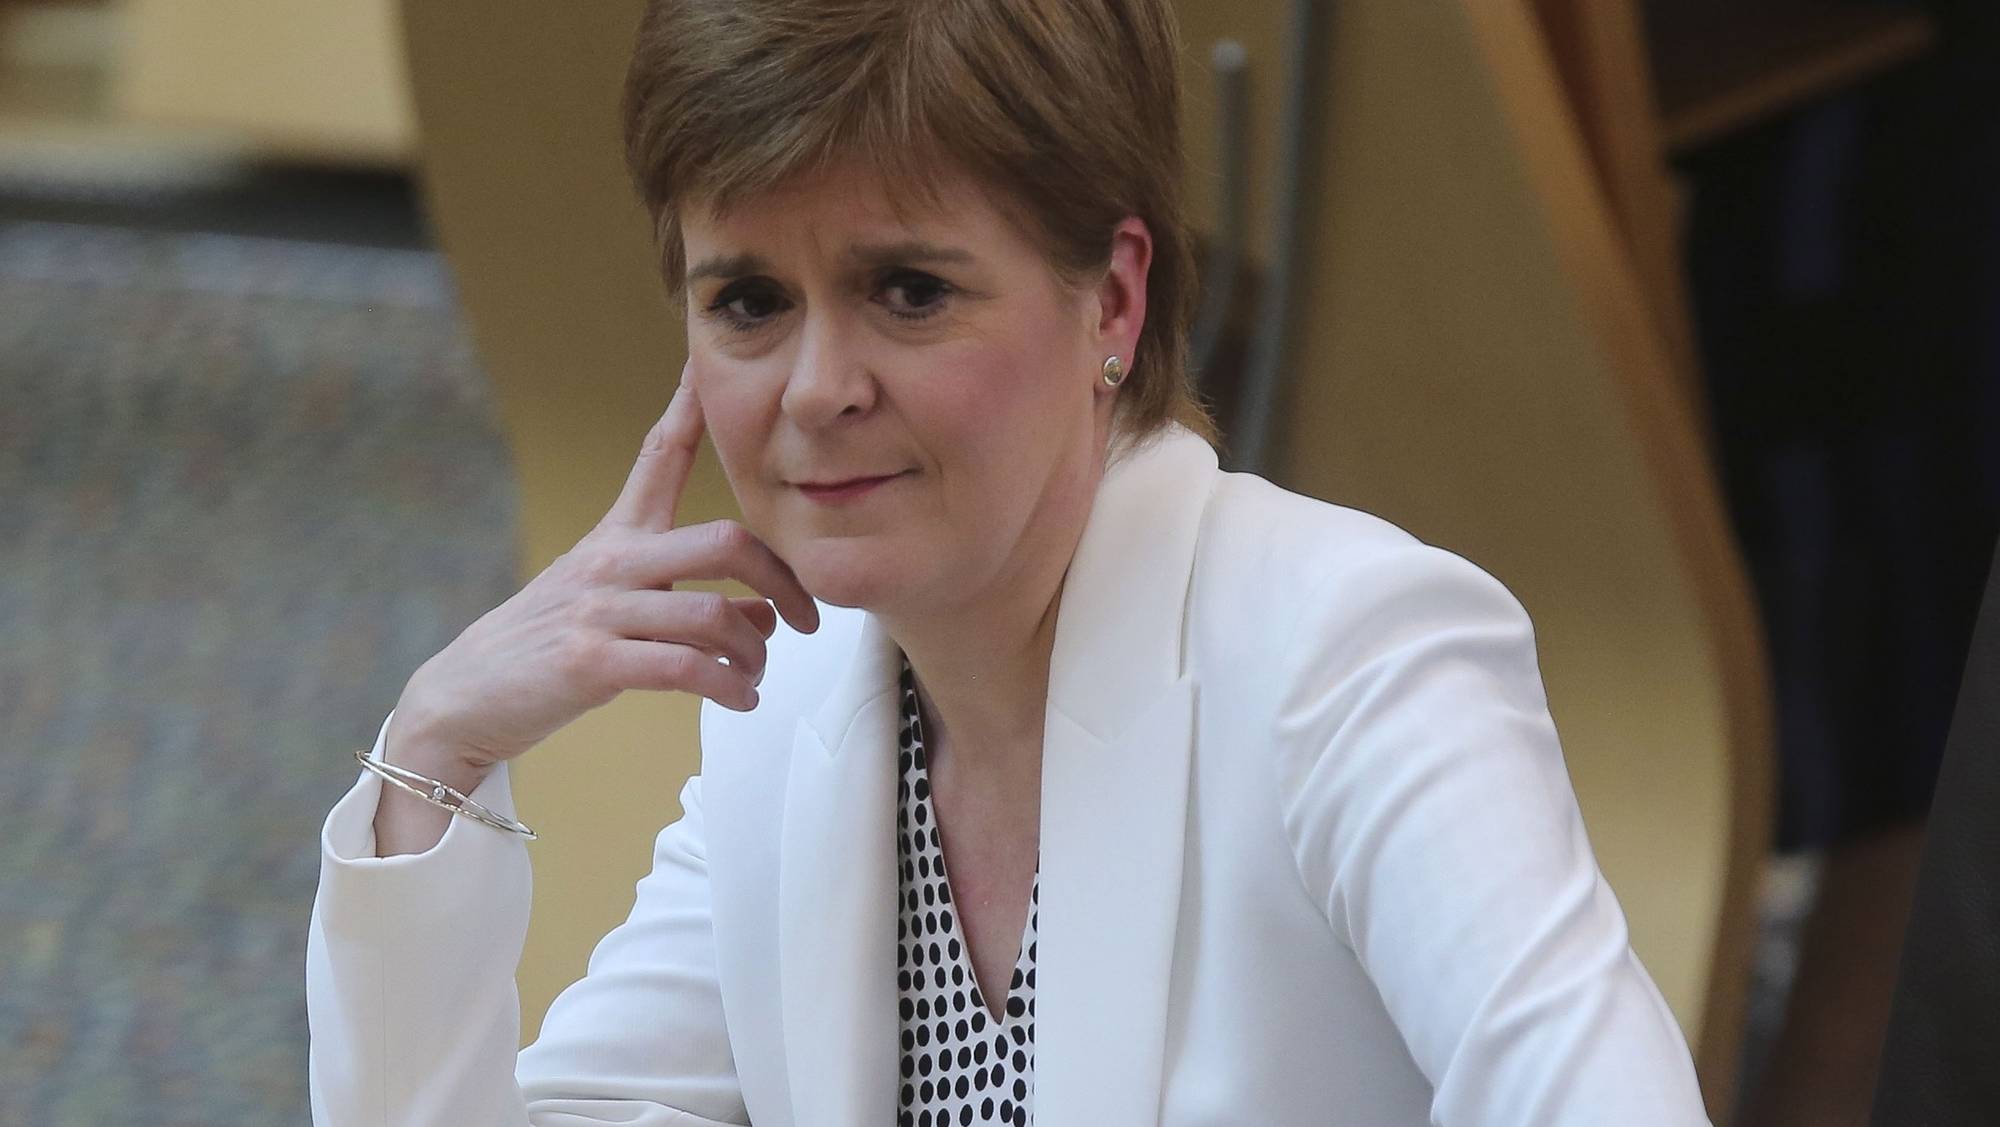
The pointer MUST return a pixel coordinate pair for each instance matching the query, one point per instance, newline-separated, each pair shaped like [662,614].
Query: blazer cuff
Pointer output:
[463,873]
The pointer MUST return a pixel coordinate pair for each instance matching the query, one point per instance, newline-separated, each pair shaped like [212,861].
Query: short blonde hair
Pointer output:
[1068,111]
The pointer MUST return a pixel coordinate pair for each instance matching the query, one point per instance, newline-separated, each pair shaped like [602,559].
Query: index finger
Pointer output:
[652,493]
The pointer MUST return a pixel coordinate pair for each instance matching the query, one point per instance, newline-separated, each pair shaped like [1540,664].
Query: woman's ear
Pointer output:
[1121,296]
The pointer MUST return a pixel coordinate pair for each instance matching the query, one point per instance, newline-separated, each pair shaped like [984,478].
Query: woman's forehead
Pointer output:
[911,184]
[854,193]
[852,221]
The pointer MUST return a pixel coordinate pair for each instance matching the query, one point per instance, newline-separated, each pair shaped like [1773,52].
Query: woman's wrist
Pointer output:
[413,745]
[404,822]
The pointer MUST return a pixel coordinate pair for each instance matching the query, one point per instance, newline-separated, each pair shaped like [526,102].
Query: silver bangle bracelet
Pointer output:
[442,795]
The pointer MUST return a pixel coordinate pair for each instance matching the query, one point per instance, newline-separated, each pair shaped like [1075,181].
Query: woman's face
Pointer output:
[831,339]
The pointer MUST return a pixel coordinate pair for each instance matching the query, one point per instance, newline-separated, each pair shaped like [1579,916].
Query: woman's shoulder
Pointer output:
[1289,542]
[1328,573]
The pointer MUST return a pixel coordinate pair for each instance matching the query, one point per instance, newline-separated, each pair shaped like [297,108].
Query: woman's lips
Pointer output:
[846,491]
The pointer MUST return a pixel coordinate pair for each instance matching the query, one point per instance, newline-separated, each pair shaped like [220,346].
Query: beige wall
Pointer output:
[304,78]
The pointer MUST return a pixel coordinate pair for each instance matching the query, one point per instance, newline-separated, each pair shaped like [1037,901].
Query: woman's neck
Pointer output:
[983,678]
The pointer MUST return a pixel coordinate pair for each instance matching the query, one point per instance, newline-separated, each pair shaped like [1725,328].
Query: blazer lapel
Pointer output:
[1112,822]
[1115,755]
[837,887]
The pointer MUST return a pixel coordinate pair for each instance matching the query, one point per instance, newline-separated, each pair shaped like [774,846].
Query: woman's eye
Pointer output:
[908,295]
[744,309]
[921,295]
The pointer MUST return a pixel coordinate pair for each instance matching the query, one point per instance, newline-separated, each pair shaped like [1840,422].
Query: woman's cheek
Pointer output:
[700,365]
[719,417]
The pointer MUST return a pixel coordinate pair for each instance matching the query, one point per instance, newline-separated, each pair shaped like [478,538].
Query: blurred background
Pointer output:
[325,326]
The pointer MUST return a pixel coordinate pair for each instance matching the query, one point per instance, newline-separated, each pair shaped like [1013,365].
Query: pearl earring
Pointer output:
[1114,371]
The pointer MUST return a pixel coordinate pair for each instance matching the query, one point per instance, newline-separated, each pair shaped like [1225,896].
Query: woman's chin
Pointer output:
[839,573]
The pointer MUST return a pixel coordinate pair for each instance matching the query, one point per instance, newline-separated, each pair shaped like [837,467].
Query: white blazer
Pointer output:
[1310,855]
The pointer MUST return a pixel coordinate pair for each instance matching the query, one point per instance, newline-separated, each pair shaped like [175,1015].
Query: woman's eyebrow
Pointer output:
[728,266]
[864,256]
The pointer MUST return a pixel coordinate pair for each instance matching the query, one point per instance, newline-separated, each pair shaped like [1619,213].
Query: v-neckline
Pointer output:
[1024,950]
[1026,942]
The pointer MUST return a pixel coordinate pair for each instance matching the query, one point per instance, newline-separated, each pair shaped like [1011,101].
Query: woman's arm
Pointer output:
[1432,816]
[413,1010]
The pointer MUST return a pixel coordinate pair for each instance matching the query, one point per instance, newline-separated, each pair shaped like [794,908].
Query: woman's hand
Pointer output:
[604,618]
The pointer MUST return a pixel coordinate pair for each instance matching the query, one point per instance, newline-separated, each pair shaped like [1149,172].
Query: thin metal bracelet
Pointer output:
[442,795]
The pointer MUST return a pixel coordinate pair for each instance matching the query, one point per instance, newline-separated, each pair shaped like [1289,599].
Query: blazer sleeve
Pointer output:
[1432,818]
[413,1011]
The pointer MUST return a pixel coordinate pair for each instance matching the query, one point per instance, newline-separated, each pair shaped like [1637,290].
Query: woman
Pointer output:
[1085,783]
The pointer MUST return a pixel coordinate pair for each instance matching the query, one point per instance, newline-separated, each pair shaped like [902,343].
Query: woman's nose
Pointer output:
[830,376]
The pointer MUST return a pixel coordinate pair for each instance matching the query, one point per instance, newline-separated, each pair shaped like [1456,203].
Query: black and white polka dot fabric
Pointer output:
[959,1065]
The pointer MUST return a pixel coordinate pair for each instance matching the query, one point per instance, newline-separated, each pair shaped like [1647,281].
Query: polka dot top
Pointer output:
[959,1066]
